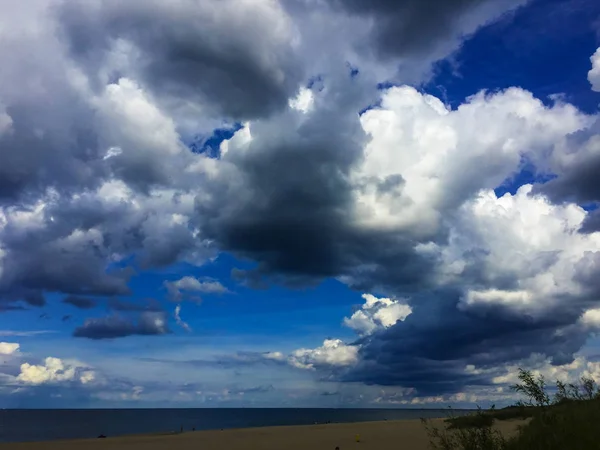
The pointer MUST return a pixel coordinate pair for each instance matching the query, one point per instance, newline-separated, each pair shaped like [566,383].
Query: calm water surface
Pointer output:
[40,425]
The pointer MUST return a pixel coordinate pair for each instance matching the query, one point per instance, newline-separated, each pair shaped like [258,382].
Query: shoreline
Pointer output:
[146,421]
[407,433]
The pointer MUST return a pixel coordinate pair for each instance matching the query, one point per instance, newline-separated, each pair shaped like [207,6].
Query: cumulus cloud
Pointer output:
[104,172]
[377,313]
[185,288]
[508,276]
[594,73]
[227,58]
[333,353]
[96,178]
[53,370]
[111,327]
[8,348]
[407,28]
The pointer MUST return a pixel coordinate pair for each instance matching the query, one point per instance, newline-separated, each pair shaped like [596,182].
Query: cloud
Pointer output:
[97,180]
[336,213]
[408,28]
[591,223]
[80,302]
[507,277]
[178,319]
[594,73]
[9,333]
[53,370]
[377,313]
[104,175]
[111,327]
[225,58]
[333,353]
[7,348]
[182,288]
[538,298]
[574,162]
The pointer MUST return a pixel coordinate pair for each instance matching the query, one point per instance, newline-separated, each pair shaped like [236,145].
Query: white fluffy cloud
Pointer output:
[594,73]
[525,242]
[8,348]
[54,370]
[377,313]
[190,285]
[333,353]
[424,160]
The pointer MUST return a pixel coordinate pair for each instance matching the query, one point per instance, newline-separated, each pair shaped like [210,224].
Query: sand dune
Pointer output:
[397,435]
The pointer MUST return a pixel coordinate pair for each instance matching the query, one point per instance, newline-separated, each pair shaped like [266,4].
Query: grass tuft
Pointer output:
[568,420]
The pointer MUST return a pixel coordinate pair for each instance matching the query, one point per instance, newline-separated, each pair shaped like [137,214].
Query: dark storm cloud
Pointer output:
[431,349]
[77,271]
[405,28]
[591,224]
[286,202]
[111,327]
[213,53]
[24,154]
[8,298]
[580,184]
[80,302]
[577,180]
[49,142]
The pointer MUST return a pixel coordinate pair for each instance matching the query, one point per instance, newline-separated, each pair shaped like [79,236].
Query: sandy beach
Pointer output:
[397,435]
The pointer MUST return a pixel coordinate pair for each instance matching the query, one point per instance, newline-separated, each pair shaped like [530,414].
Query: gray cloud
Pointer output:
[591,224]
[111,327]
[238,62]
[286,201]
[423,27]
[94,170]
[431,349]
[80,302]
[78,165]
[575,167]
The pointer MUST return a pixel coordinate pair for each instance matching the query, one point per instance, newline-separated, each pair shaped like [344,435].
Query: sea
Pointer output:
[21,425]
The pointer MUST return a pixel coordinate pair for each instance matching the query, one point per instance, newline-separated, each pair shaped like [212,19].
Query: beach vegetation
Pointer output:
[565,417]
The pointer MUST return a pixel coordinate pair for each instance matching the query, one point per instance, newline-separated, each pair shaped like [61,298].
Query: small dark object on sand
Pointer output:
[193,428]
[337,448]
[101,437]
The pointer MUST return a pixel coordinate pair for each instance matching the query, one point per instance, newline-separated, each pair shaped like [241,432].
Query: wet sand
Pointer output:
[397,435]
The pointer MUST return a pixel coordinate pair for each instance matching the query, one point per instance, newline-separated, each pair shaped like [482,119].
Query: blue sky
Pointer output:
[227,233]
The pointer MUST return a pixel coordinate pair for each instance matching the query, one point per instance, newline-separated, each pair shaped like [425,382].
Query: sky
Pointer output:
[297,203]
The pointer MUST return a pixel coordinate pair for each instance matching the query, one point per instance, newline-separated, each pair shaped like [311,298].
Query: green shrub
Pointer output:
[570,420]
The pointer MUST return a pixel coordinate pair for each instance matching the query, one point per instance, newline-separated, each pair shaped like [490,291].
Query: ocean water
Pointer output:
[40,425]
